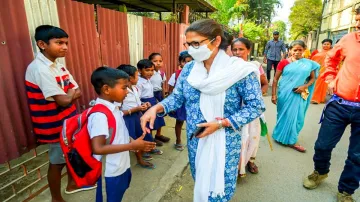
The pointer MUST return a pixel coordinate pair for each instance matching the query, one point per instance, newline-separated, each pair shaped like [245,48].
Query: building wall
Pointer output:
[338,19]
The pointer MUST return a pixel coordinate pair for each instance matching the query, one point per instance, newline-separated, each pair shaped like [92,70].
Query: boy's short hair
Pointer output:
[106,76]
[144,64]
[357,10]
[47,32]
[129,69]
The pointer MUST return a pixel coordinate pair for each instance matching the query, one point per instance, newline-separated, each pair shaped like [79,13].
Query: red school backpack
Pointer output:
[76,145]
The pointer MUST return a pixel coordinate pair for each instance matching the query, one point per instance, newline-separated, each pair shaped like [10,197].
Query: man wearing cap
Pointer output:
[272,53]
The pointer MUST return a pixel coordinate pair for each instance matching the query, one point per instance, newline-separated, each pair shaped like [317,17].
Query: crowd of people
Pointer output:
[217,91]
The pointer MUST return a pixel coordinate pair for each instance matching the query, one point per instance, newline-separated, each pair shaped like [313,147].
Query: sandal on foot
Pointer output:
[252,168]
[84,188]
[162,138]
[150,166]
[179,147]
[158,143]
[298,148]
[241,175]
[147,157]
[156,152]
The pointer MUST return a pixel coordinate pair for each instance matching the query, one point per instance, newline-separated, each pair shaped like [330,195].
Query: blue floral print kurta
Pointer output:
[243,103]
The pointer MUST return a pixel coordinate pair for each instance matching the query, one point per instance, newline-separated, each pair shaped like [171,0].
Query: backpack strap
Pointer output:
[162,74]
[177,74]
[100,108]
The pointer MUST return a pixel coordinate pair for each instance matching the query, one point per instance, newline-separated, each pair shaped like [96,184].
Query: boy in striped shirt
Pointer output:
[51,91]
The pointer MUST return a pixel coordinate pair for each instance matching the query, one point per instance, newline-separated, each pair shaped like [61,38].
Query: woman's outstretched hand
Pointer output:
[149,117]
[210,128]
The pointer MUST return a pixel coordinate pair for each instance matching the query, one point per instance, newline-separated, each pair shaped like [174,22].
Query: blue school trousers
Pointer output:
[115,187]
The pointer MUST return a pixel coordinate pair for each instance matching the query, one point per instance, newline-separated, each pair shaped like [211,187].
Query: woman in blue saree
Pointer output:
[293,94]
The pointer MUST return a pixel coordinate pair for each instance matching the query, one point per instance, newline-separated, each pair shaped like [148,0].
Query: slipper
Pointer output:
[158,143]
[162,138]
[156,152]
[179,147]
[147,157]
[298,148]
[150,167]
[84,188]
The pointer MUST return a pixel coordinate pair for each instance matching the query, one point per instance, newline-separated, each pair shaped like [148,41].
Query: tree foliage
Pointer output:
[254,32]
[227,9]
[261,11]
[279,26]
[305,16]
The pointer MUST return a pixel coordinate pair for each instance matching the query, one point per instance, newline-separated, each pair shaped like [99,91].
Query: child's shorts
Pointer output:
[179,114]
[133,125]
[115,187]
[158,95]
[56,155]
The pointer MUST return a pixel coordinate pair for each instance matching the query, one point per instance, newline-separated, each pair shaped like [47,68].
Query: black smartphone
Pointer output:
[294,89]
[197,132]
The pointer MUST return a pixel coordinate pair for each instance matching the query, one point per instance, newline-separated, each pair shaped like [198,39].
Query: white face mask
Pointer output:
[200,54]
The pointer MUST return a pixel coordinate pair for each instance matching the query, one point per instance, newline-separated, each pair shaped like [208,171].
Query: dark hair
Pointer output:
[357,10]
[152,55]
[129,69]
[106,76]
[327,40]
[209,29]
[297,42]
[182,57]
[245,41]
[228,37]
[47,32]
[144,64]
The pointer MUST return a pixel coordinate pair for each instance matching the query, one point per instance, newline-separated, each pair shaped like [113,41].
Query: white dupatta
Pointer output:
[225,71]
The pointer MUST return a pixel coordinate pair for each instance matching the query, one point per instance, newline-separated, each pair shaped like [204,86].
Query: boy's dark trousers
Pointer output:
[336,117]
[115,187]
[269,65]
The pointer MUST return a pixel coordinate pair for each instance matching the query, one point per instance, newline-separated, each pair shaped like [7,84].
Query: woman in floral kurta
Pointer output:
[221,94]
[246,90]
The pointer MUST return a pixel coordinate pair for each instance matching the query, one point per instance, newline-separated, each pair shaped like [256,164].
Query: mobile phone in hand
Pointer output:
[197,132]
[294,89]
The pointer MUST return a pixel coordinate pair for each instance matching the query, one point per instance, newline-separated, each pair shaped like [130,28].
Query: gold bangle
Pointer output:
[129,111]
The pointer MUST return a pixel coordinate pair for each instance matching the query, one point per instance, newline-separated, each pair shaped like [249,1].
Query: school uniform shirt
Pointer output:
[132,99]
[116,164]
[157,80]
[145,87]
[43,80]
[172,80]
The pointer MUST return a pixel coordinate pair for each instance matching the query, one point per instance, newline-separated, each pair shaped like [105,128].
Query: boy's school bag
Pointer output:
[76,145]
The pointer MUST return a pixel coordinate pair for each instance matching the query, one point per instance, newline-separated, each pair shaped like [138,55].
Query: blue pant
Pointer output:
[336,118]
[115,187]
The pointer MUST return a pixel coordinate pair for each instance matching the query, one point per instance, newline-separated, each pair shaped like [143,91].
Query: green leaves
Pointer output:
[279,26]
[305,16]
[254,32]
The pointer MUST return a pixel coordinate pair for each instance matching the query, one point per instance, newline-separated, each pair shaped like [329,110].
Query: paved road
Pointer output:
[281,170]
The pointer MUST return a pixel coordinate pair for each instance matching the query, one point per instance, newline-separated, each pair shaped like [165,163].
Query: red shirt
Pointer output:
[282,64]
[347,80]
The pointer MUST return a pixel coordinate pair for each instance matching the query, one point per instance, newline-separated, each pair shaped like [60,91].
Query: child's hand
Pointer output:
[148,104]
[143,107]
[140,144]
